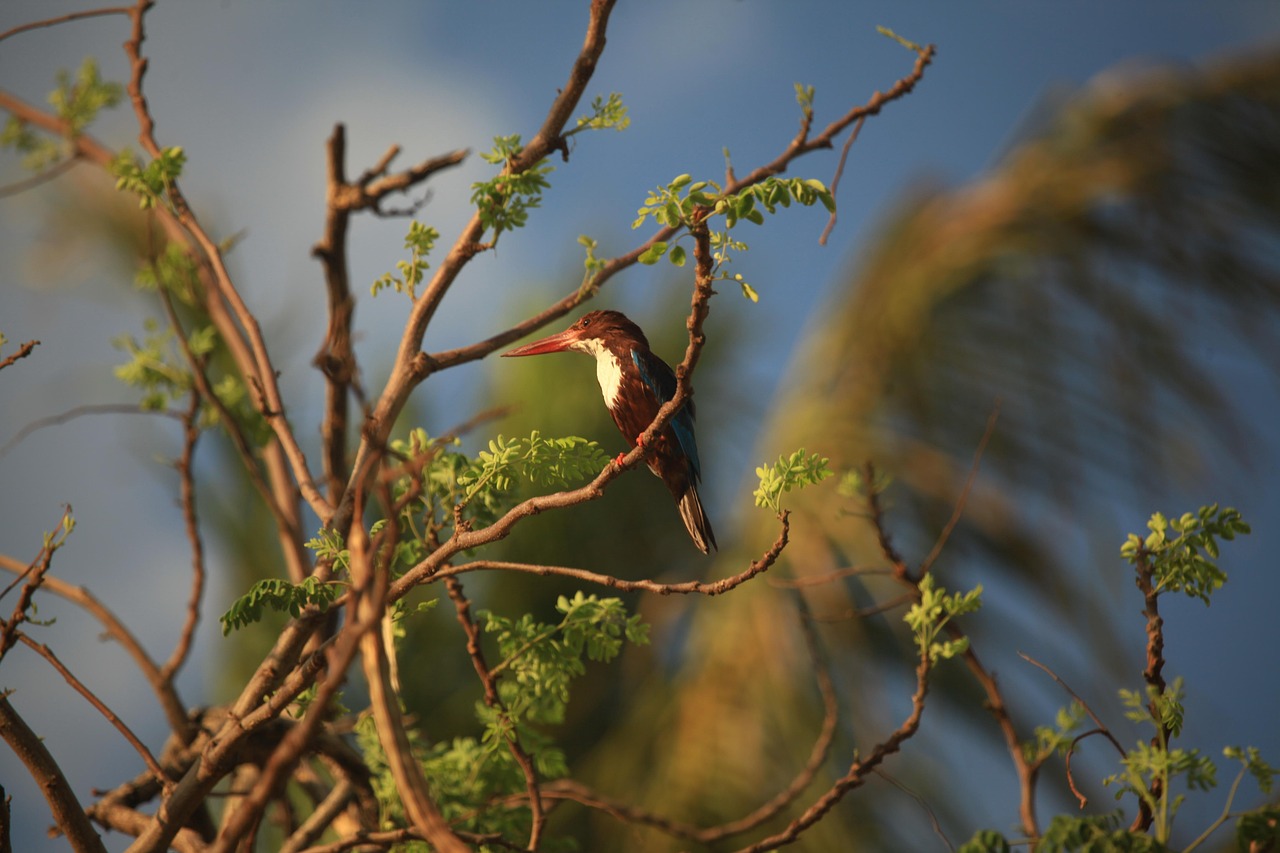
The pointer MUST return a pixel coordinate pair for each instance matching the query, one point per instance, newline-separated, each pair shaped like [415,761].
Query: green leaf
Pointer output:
[888,33]
[279,595]
[796,471]
[1187,560]
[652,254]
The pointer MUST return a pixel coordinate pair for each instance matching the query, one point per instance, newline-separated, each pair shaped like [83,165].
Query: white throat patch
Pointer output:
[608,371]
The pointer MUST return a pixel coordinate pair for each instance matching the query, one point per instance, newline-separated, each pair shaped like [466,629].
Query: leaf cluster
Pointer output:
[1058,738]
[77,101]
[554,462]
[539,661]
[1183,552]
[796,471]
[156,366]
[504,201]
[928,616]
[474,778]
[684,201]
[419,241]
[152,181]
[281,596]
[1181,555]
[606,113]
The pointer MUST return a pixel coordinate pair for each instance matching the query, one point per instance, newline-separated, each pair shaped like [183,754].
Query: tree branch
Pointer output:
[166,693]
[491,698]
[141,748]
[62,19]
[712,588]
[67,812]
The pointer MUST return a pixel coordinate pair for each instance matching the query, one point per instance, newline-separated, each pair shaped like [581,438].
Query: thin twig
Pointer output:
[491,698]
[80,412]
[920,801]
[835,180]
[870,610]
[166,692]
[18,187]
[817,755]
[68,814]
[34,573]
[186,476]
[857,773]
[958,510]
[45,652]
[570,789]
[22,352]
[62,19]
[1076,696]
[711,588]
[827,577]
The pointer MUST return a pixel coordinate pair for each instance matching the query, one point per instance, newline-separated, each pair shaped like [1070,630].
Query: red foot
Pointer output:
[617,460]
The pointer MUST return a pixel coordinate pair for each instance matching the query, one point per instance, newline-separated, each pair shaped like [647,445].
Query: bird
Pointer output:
[635,383]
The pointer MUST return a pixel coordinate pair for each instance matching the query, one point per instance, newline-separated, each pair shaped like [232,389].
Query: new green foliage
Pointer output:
[796,471]
[76,100]
[150,182]
[420,240]
[685,202]
[1184,551]
[503,202]
[928,616]
[1177,555]
[279,595]
[477,780]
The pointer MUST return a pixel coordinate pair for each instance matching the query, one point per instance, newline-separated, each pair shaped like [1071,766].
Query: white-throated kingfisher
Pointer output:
[635,384]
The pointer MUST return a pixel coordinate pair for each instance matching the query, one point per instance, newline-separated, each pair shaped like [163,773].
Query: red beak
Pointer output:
[552,343]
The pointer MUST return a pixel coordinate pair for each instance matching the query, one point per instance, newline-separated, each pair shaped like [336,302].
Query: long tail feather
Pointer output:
[695,520]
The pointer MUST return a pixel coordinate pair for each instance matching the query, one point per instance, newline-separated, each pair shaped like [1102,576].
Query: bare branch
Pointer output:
[45,652]
[256,367]
[402,586]
[164,689]
[958,510]
[67,812]
[857,772]
[56,170]
[34,573]
[62,19]
[369,582]
[22,352]
[80,412]
[186,475]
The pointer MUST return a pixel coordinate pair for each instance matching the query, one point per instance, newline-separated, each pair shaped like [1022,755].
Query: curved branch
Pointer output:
[62,19]
[141,748]
[67,812]
[164,689]
[402,586]
[857,772]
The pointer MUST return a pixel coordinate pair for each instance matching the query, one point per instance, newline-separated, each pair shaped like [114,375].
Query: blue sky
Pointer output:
[252,90]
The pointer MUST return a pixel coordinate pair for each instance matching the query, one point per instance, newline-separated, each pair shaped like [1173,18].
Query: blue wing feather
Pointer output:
[661,380]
